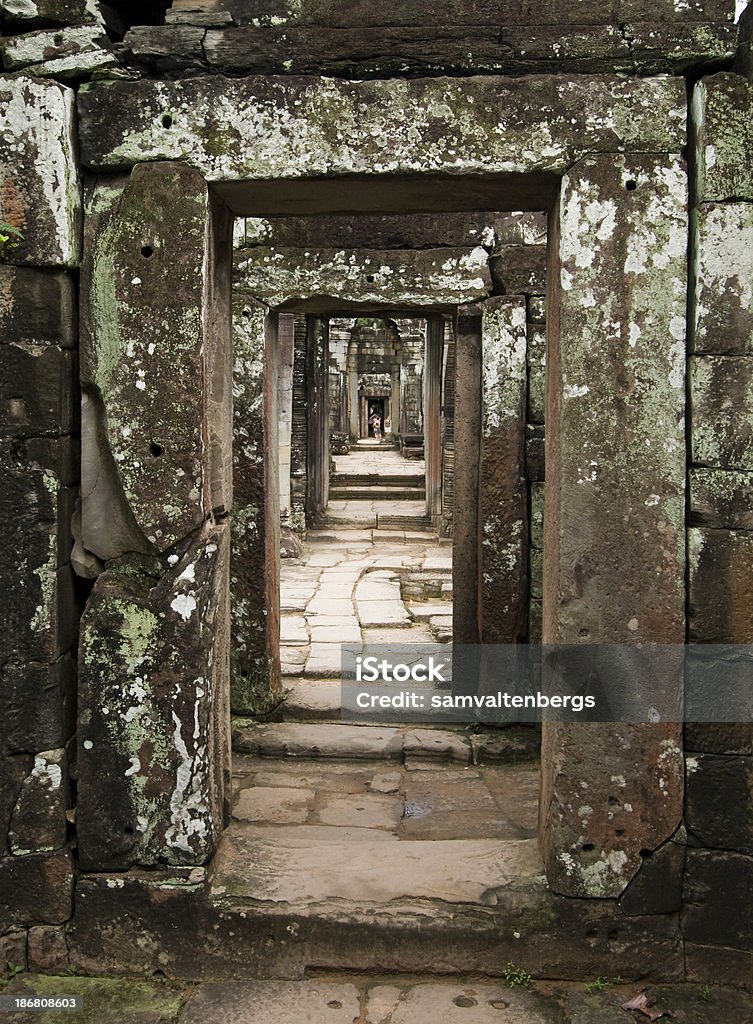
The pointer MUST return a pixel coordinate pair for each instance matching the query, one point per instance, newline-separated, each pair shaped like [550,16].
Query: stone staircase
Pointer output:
[377,486]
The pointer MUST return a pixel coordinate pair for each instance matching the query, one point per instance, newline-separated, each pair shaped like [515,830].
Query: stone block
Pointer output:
[38,390]
[40,192]
[41,608]
[149,361]
[255,539]
[723,111]
[721,400]
[718,900]
[12,951]
[536,309]
[719,737]
[18,52]
[47,950]
[523,229]
[519,269]
[536,375]
[36,704]
[28,13]
[37,889]
[720,566]
[537,515]
[153,707]
[721,498]
[535,454]
[37,307]
[657,888]
[719,802]
[724,272]
[14,771]
[377,231]
[167,48]
[408,279]
[619,369]
[38,824]
[283,129]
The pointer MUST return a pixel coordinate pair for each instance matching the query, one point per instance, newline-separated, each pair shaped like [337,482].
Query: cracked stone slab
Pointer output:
[322,740]
[364,810]
[278,805]
[382,613]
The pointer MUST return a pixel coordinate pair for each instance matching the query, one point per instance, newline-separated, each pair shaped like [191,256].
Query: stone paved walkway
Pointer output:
[356,586]
[333,999]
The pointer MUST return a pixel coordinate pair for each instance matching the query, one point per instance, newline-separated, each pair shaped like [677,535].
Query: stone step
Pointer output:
[377,479]
[379,492]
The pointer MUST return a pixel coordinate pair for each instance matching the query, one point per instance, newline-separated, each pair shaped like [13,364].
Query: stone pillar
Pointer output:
[299,429]
[153,737]
[395,403]
[352,378]
[39,476]
[503,513]
[432,395]
[448,430]
[255,548]
[614,549]
[285,322]
[317,406]
[465,560]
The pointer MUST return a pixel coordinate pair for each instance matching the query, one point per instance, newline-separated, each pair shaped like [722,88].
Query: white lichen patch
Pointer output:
[503,363]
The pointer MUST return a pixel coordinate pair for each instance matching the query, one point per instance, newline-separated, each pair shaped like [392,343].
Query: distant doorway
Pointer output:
[375,412]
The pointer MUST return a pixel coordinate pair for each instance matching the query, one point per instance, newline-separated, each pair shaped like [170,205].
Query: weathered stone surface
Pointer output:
[535,454]
[38,824]
[50,45]
[77,66]
[335,1002]
[723,113]
[383,231]
[255,542]
[36,704]
[724,270]
[503,513]
[14,771]
[153,348]
[267,129]
[124,1000]
[429,277]
[719,799]
[536,357]
[718,901]
[39,187]
[721,498]
[719,737]
[362,50]
[12,951]
[536,309]
[55,12]
[618,373]
[48,950]
[37,307]
[38,389]
[519,270]
[153,706]
[657,888]
[305,740]
[37,889]
[41,618]
[721,395]
[720,582]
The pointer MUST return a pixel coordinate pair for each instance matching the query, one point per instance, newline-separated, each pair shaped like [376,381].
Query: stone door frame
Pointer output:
[616,189]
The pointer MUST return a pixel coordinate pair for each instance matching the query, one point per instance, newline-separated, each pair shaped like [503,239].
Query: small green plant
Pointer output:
[706,993]
[14,969]
[10,237]
[597,985]
[516,977]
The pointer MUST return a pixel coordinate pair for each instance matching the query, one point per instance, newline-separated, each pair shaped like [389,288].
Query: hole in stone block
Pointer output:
[587,847]
[631,185]
[465,1001]
[498,1004]
[58,39]
[370,278]
[156,449]
[334,1004]
[167,121]
[646,854]
[128,830]
[620,832]
[147,251]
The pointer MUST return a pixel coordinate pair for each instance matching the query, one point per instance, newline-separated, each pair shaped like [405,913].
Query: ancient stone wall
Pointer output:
[163,142]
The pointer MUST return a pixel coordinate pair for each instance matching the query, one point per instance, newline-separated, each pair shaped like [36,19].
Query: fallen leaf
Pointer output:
[645,1005]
